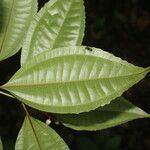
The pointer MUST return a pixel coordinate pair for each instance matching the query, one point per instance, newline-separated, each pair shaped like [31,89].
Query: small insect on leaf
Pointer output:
[88,48]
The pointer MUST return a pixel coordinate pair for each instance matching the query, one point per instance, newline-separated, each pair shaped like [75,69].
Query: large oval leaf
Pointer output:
[35,135]
[73,80]
[1,146]
[59,23]
[15,17]
[116,113]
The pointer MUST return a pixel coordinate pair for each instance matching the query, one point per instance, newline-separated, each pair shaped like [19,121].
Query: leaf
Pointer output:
[116,113]
[1,146]
[59,23]
[15,17]
[73,80]
[35,135]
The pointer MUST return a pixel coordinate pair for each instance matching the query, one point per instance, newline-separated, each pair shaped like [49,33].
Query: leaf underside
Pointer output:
[15,17]
[117,112]
[73,80]
[59,23]
[35,135]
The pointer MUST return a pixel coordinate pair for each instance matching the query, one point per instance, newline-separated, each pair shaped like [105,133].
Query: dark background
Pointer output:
[121,27]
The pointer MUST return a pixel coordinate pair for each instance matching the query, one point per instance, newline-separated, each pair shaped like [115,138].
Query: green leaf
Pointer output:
[15,17]
[59,23]
[35,135]
[1,146]
[73,79]
[116,113]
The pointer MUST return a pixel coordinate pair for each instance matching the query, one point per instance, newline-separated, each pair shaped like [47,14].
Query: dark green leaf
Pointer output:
[116,113]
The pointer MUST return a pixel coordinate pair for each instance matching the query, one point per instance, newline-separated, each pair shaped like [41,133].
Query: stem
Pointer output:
[25,109]
[6,94]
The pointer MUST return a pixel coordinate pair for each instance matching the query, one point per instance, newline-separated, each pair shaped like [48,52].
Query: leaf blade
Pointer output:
[116,113]
[58,24]
[73,80]
[47,137]
[15,19]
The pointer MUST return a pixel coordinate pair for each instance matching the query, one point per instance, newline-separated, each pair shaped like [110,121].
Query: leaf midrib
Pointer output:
[65,107]
[7,26]
[67,82]
[34,132]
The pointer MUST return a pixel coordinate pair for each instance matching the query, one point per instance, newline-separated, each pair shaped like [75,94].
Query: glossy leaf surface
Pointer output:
[116,113]
[73,80]
[1,146]
[35,135]
[59,23]
[15,17]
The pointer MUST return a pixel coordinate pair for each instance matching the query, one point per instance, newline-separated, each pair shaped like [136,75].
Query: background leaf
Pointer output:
[35,135]
[59,23]
[1,146]
[116,113]
[15,17]
[73,80]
